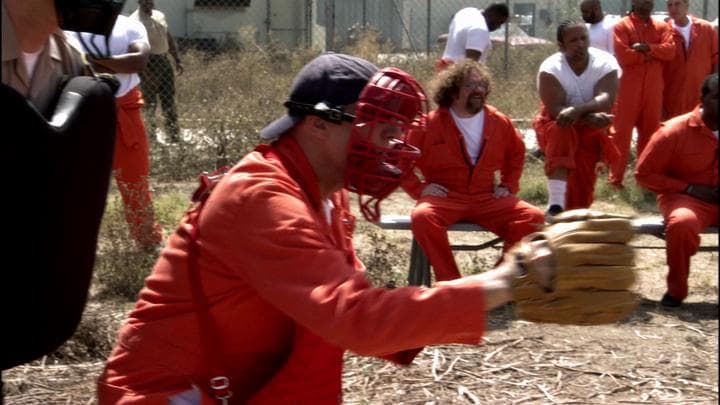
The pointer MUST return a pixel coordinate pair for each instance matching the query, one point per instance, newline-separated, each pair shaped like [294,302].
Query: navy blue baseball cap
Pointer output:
[329,81]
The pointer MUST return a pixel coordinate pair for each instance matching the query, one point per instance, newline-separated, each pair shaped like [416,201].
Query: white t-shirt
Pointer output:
[30,60]
[579,89]
[472,131]
[684,31]
[468,30]
[601,34]
[125,32]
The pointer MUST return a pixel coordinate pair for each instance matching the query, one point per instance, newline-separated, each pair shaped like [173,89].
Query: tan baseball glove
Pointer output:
[588,276]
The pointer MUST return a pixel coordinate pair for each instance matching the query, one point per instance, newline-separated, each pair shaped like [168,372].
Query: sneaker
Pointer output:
[670,301]
[553,210]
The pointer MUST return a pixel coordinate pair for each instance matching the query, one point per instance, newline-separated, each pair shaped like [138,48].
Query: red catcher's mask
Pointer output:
[391,100]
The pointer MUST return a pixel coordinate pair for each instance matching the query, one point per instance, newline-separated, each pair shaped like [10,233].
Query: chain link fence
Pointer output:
[240,56]
[409,25]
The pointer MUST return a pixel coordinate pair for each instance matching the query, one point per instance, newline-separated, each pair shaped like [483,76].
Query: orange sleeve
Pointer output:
[274,243]
[622,41]
[651,171]
[665,50]
[515,160]
[714,47]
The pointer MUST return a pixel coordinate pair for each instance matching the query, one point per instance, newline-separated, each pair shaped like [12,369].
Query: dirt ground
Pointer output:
[655,356]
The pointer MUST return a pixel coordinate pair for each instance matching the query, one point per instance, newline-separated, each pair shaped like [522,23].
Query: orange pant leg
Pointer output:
[430,220]
[131,166]
[627,111]
[310,375]
[558,144]
[650,117]
[577,149]
[685,217]
[581,181]
[510,218]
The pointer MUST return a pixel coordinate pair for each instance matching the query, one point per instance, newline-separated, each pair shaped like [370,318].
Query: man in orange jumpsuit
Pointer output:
[466,143]
[696,56]
[127,55]
[270,254]
[577,89]
[680,164]
[641,45]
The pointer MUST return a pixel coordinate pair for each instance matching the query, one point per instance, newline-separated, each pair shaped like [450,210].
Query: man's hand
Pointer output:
[100,65]
[435,190]
[567,117]
[598,120]
[179,67]
[501,191]
[640,47]
[703,193]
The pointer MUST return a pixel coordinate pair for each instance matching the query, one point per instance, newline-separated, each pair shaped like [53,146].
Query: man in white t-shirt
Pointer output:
[577,89]
[124,54]
[469,33]
[600,25]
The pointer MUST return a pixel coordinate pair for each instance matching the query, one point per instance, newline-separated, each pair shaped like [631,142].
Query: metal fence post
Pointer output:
[364,14]
[507,41]
[308,24]
[268,21]
[429,24]
[705,9]
[329,25]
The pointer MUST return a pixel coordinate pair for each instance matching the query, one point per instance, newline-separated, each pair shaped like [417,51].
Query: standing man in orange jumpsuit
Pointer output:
[696,56]
[467,142]
[680,164]
[577,90]
[641,45]
[128,53]
[269,253]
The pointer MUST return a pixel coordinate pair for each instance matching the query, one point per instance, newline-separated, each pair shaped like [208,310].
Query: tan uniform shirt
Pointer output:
[156,28]
[58,60]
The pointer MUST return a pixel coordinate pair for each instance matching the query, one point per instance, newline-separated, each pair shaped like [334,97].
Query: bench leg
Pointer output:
[419,273]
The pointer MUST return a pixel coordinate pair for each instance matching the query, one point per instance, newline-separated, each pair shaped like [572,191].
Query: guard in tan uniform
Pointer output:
[157,80]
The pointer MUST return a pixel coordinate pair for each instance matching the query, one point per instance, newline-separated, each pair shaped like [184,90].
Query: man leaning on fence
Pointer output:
[469,34]
[680,164]
[124,54]
[466,144]
[158,77]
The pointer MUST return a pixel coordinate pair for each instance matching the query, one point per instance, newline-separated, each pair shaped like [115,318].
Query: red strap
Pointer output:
[219,383]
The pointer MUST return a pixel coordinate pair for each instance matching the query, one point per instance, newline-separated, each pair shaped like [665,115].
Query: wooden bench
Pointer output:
[419,273]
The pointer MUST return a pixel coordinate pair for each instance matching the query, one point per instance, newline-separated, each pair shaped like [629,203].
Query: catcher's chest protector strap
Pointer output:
[57,177]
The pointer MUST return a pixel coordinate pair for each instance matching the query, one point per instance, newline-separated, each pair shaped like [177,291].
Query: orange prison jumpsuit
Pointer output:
[287,294]
[470,197]
[639,99]
[683,151]
[685,73]
[131,166]
[578,148]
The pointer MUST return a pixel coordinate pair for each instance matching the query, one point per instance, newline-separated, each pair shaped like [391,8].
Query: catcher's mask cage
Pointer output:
[392,98]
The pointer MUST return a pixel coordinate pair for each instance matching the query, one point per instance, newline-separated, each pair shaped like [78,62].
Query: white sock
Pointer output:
[556,192]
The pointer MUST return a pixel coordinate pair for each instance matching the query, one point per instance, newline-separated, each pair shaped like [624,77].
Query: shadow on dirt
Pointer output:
[691,312]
